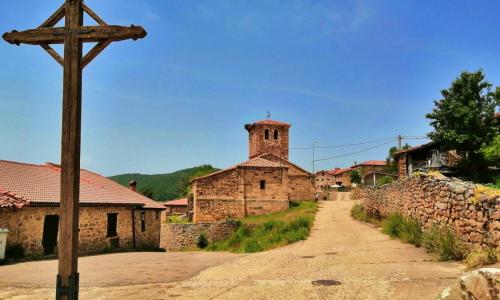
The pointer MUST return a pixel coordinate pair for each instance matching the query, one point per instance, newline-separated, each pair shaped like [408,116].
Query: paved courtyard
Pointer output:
[362,263]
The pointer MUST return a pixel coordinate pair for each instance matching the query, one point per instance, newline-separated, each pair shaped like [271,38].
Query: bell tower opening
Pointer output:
[268,136]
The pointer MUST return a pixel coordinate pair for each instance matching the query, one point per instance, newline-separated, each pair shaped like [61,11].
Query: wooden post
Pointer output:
[72,35]
[70,152]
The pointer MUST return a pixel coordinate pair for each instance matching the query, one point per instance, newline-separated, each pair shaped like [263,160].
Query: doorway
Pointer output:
[50,229]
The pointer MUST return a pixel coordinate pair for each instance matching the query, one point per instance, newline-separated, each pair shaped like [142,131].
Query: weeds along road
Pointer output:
[360,262]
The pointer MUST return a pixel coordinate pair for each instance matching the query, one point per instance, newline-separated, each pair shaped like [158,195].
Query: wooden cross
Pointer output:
[72,35]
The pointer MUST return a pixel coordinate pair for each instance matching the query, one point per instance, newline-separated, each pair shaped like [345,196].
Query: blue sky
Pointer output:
[340,71]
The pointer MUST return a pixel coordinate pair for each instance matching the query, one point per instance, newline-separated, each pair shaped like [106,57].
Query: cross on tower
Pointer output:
[72,35]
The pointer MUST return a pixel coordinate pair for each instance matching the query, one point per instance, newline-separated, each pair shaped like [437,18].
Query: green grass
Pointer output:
[444,242]
[406,229]
[167,186]
[358,213]
[264,232]
[440,240]
[177,219]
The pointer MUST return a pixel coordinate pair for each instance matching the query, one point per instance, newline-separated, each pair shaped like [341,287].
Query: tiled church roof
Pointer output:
[254,162]
[40,184]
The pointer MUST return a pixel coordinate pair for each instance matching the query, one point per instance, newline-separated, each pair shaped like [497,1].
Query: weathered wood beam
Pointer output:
[93,15]
[94,52]
[86,34]
[53,53]
[56,17]
[70,155]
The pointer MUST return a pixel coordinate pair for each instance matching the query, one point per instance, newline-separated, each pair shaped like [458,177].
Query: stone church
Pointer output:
[265,183]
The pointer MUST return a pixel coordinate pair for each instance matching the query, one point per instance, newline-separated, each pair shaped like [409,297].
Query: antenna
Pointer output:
[268,114]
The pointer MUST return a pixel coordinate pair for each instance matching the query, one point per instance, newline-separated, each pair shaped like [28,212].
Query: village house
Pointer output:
[111,216]
[324,179]
[266,183]
[430,156]
[368,167]
[370,178]
[176,207]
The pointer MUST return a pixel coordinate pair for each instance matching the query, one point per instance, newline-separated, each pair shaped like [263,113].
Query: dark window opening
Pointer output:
[143,221]
[50,230]
[262,184]
[112,221]
[266,134]
[275,134]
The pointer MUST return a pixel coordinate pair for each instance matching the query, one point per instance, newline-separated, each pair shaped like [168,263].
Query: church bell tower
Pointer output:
[268,136]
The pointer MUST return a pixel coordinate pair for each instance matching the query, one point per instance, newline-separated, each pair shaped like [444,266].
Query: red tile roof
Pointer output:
[341,171]
[372,163]
[9,200]
[177,202]
[40,184]
[254,162]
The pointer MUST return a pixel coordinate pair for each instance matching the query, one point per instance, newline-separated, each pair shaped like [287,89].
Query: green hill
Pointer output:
[164,186]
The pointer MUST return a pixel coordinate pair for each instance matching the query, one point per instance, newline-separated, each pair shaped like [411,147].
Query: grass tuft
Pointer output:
[481,257]
[358,213]
[444,242]
[264,232]
[406,229]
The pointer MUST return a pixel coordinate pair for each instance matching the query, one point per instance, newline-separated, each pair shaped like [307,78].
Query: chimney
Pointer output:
[133,186]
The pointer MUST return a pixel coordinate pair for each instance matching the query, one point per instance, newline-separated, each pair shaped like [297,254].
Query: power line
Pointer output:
[356,152]
[344,145]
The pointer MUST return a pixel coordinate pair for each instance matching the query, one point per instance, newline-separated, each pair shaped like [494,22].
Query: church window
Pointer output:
[275,134]
[262,184]
[266,134]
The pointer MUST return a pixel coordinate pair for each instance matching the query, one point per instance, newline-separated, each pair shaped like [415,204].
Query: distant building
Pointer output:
[343,177]
[370,166]
[370,178]
[111,216]
[263,184]
[324,179]
[176,207]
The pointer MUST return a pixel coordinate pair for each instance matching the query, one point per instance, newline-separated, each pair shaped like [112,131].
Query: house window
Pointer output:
[275,134]
[266,134]
[143,221]
[112,221]
[262,184]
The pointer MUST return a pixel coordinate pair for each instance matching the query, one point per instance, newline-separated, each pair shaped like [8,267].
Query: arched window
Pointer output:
[275,134]
[266,134]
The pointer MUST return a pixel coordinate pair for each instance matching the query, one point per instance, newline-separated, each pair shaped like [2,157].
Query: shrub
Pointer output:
[406,229]
[443,241]
[358,212]
[14,252]
[384,180]
[202,241]
[253,246]
[481,256]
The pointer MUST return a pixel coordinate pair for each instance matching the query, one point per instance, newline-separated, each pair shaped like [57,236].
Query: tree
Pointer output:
[492,151]
[464,119]
[355,176]
[147,192]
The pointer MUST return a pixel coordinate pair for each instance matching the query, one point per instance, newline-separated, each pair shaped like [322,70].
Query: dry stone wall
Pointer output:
[176,237]
[471,213]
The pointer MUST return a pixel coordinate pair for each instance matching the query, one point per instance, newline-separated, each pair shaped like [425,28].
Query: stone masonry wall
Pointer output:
[176,237]
[472,214]
[26,228]
[300,188]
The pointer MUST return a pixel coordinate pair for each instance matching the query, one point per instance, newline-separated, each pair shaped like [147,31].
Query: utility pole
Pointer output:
[400,139]
[314,152]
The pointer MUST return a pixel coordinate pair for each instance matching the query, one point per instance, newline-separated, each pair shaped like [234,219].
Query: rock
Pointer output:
[481,284]
[456,187]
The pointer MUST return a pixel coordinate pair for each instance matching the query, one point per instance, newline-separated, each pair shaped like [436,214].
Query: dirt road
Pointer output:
[361,262]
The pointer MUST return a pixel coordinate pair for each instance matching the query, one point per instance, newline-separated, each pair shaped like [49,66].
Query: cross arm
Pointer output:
[86,34]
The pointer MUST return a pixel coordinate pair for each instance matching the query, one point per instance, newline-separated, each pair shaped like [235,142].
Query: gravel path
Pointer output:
[364,263]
